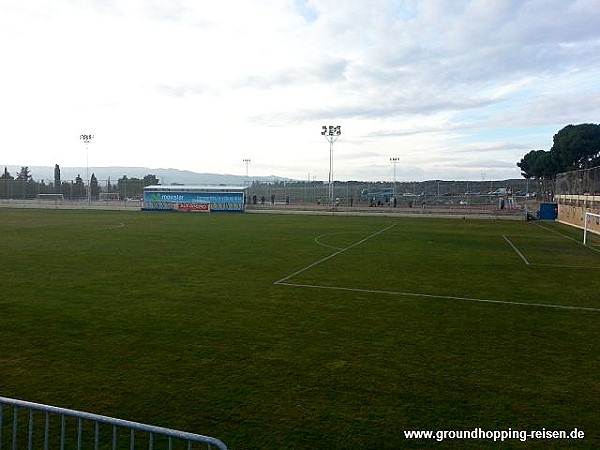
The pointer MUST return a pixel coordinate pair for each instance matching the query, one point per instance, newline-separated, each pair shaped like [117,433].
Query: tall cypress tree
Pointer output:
[57,179]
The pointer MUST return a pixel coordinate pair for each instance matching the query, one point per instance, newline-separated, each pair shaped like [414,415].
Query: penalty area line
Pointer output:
[441,297]
[514,247]
[569,238]
[530,264]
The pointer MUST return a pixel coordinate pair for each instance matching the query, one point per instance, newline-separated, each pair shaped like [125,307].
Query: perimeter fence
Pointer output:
[578,193]
[424,194]
[579,182]
[126,193]
[77,189]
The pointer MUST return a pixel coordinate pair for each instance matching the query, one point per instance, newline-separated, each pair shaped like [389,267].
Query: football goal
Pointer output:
[108,196]
[55,197]
[591,223]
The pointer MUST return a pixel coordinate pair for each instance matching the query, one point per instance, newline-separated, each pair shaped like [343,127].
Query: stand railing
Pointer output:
[61,428]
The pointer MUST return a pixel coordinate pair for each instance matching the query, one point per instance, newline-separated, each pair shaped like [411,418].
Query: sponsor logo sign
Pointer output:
[202,207]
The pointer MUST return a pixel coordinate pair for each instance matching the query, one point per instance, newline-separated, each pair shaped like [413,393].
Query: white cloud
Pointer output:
[201,85]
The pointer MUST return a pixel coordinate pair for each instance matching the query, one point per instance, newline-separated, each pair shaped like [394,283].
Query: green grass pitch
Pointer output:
[304,332]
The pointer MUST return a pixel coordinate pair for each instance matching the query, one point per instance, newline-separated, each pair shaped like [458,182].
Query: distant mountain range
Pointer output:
[176,176]
[165,176]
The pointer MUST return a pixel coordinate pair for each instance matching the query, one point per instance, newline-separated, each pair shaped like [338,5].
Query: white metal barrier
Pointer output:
[77,429]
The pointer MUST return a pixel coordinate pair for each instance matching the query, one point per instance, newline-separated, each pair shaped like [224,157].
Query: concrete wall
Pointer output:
[572,209]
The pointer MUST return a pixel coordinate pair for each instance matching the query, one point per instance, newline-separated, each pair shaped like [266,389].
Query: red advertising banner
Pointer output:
[202,207]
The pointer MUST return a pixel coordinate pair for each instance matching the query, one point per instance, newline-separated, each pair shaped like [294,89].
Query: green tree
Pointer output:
[78,189]
[6,175]
[577,146]
[6,183]
[543,167]
[57,179]
[150,180]
[94,187]
[547,167]
[24,174]
[24,182]
[130,187]
[574,147]
[529,164]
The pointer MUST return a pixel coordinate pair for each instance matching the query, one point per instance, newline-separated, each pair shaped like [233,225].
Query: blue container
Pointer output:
[548,211]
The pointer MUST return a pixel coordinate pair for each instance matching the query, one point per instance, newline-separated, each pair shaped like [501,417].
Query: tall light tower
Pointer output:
[394,160]
[247,161]
[86,138]
[331,133]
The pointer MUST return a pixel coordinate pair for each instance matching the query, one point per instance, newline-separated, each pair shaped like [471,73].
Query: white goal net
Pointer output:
[106,196]
[591,224]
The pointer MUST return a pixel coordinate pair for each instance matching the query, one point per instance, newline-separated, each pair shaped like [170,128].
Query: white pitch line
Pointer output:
[514,247]
[569,238]
[562,266]
[442,297]
[318,241]
[559,233]
[114,227]
[316,263]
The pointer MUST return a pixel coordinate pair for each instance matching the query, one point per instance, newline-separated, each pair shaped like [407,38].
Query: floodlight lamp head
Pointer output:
[331,130]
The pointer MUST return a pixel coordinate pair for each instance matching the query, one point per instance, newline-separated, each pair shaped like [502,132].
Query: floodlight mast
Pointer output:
[247,161]
[331,133]
[86,138]
[394,160]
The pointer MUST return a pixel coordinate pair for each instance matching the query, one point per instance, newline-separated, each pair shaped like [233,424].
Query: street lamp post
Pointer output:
[86,138]
[331,133]
[394,160]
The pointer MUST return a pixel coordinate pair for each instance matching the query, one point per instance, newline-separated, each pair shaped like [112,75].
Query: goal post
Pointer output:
[55,197]
[591,223]
[107,196]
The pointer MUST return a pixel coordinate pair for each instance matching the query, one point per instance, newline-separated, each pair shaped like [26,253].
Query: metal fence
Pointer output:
[32,425]
[434,193]
[579,182]
[427,194]
[72,189]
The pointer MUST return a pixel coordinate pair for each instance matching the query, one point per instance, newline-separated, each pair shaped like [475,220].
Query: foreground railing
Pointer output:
[62,429]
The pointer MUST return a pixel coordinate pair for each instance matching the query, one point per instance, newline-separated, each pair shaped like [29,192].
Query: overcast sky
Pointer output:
[454,89]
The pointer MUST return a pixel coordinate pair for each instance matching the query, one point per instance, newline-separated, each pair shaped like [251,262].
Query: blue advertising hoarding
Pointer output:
[189,198]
